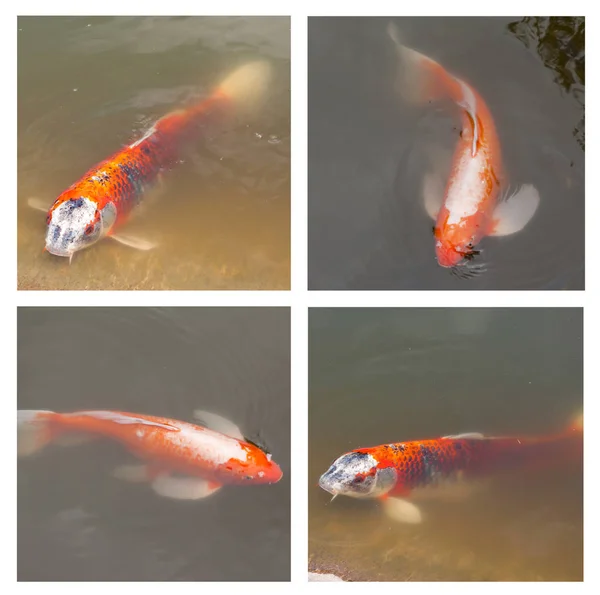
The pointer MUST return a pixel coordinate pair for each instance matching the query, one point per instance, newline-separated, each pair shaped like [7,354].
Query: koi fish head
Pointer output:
[259,467]
[357,474]
[453,252]
[76,223]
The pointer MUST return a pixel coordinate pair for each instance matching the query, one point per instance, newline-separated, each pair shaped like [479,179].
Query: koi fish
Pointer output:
[474,201]
[397,473]
[205,459]
[106,196]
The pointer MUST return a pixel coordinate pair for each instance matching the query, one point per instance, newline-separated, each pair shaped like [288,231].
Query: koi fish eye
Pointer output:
[48,218]
[89,229]
[358,479]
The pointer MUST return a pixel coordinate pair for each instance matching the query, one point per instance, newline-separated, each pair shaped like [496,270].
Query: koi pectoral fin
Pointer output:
[402,511]
[215,422]
[513,214]
[38,204]
[133,242]
[183,488]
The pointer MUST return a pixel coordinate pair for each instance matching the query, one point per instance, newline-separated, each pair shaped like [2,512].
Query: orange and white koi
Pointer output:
[204,459]
[469,205]
[400,472]
[105,197]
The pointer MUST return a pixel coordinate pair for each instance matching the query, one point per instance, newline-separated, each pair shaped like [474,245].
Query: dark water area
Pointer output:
[394,375]
[88,86]
[76,521]
[369,150]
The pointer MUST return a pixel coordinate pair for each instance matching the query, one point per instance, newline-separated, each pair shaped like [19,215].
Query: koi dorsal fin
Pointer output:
[469,103]
[219,424]
[466,436]
[126,418]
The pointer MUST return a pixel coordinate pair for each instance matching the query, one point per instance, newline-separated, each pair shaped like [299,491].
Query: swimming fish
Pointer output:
[400,472]
[98,204]
[178,459]
[474,201]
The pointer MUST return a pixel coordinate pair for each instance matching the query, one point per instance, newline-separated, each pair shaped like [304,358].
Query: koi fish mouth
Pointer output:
[58,252]
[324,485]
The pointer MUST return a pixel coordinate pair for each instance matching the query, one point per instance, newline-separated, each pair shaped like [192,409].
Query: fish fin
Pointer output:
[38,204]
[33,431]
[247,85]
[433,194]
[132,473]
[402,511]
[422,79]
[466,436]
[219,424]
[576,424]
[513,214]
[183,488]
[133,242]
[416,81]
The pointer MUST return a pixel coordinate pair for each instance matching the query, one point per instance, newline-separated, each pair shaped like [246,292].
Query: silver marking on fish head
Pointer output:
[76,224]
[355,474]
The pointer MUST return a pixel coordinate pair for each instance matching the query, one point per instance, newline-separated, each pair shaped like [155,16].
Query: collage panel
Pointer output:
[153,152]
[154,444]
[446,444]
[446,153]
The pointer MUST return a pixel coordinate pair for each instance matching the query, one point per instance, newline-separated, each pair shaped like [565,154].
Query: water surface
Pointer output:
[369,151]
[75,521]
[393,375]
[89,85]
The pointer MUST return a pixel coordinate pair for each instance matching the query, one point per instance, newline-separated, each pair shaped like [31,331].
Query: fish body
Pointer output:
[469,204]
[105,196]
[398,470]
[207,458]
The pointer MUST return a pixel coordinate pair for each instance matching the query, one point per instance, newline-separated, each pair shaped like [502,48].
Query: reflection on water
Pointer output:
[90,85]
[76,522]
[369,151]
[393,375]
[560,43]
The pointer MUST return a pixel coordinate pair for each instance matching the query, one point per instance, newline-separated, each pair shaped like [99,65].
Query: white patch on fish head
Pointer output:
[355,474]
[76,224]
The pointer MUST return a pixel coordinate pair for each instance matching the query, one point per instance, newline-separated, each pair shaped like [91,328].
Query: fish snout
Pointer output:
[270,473]
[326,484]
[447,254]
[275,473]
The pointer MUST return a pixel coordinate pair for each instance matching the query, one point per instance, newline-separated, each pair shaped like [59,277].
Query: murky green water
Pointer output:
[87,86]
[369,151]
[393,375]
[77,522]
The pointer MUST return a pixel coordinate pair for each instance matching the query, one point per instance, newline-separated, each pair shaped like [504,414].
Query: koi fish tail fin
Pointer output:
[246,86]
[576,424]
[34,431]
[421,79]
